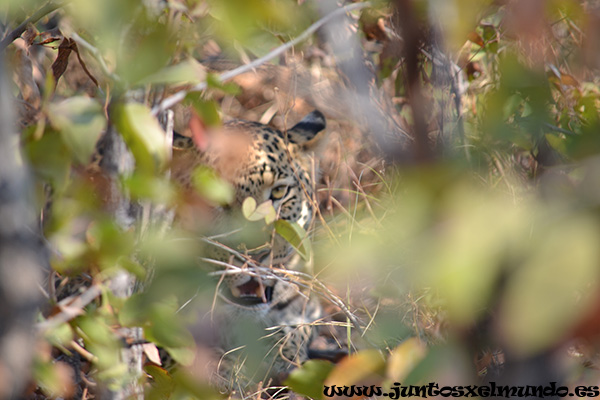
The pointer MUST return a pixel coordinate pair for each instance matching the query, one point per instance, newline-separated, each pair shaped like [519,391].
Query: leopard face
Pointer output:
[267,165]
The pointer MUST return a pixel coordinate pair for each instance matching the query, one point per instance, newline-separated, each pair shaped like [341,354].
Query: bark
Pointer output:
[22,256]
[117,161]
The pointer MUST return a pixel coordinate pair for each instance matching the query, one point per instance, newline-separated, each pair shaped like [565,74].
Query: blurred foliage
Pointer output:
[501,226]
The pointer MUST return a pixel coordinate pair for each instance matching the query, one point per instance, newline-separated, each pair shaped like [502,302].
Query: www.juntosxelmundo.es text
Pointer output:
[397,390]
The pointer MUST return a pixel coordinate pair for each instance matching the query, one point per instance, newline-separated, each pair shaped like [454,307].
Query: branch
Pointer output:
[39,14]
[559,129]
[179,96]
[71,310]
[97,55]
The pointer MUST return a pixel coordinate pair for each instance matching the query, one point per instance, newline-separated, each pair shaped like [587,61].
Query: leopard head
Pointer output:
[268,165]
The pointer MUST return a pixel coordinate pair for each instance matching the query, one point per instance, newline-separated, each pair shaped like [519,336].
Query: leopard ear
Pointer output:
[181,142]
[306,130]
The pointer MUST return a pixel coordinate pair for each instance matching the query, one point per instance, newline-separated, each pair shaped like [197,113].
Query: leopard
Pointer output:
[259,292]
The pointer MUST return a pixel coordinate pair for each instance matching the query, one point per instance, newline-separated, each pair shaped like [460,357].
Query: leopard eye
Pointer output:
[278,192]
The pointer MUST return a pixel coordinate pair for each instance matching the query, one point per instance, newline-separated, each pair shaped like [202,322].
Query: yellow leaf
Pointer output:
[404,358]
[367,365]
[248,207]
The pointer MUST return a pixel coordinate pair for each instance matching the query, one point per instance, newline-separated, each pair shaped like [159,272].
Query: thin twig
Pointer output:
[39,14]
[179,96]
[97,55]
[276,273]
[273,273]
[324,291]
[83,352]
[72,309]
[559,129]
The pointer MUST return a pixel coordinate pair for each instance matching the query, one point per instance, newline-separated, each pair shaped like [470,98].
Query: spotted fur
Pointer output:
[266,164]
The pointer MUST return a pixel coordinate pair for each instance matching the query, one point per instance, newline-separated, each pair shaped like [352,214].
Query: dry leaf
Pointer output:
[404,358]
[475,38]
[50,36]
[151,352]
[568,80]
[62,59]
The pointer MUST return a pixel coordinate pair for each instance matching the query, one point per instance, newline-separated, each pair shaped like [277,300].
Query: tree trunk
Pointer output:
[22,256]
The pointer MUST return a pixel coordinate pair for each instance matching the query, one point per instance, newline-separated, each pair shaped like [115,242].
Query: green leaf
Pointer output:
[47,377]
[309,378]
[162,383]
[189,386]
[133,311]
[133,267]
[182,355]
[146,186]
[80,121]
[166,328]
[102,342]
[97,331]
[109,243]
[189,71]
[512,105]
[295,235]
[467,259]
[143,134]
[50,159]
[59,335]
[557,143]
[540,306]
[214,82]
[211,186]
[146,49]
[207,110]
